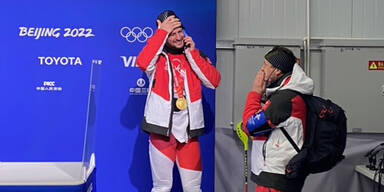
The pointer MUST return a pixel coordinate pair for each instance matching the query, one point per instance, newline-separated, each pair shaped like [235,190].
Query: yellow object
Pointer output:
[181,103]
[242,136]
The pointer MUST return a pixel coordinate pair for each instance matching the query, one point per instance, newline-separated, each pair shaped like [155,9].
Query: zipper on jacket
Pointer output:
[186,86]
[265,149]
[188,128]
[170,96]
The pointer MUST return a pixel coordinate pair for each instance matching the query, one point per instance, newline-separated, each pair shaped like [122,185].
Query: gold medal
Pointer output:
[181,103]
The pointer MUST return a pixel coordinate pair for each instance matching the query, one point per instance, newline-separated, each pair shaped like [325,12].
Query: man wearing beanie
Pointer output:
[275,102]
[173,114]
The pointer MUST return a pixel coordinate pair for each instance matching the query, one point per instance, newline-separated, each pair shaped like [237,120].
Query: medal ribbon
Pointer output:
[178,83]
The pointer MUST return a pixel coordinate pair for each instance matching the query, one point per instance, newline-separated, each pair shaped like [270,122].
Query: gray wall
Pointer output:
[345,35]
[287,19]
[272,18]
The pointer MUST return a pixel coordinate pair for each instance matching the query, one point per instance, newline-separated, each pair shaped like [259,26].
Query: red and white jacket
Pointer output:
[158,108]
[271,152]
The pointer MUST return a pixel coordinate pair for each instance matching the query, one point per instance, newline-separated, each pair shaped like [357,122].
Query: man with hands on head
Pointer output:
[173,114]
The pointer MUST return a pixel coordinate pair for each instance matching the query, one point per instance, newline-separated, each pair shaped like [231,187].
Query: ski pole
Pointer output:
[244,139]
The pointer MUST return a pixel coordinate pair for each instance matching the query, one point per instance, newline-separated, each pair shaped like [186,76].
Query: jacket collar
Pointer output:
[173,51]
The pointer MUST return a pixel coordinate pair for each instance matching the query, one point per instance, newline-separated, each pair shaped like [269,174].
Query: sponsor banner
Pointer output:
[48,66]
[136,34]
[63,61]
[49,86]
[139,89]
[129,61]
[41,32]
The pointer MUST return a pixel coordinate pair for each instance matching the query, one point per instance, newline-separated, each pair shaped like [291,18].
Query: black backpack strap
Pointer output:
[290,139]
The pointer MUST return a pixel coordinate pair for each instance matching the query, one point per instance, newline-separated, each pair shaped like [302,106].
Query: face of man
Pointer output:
[176,39]
[271,72]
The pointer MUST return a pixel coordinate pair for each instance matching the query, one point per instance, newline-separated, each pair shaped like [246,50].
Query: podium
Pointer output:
[47,177]
[58,176]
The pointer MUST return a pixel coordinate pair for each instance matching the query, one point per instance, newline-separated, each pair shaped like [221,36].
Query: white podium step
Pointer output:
[42,173]
[48,176]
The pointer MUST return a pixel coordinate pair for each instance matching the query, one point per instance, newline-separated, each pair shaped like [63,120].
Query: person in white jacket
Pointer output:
[275,102]
[173,114]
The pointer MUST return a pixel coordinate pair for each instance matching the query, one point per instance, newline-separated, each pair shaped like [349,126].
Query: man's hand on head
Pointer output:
[169,24]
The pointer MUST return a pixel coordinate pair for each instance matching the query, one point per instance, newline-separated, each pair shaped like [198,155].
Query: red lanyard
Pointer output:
[179,81]
[181,102]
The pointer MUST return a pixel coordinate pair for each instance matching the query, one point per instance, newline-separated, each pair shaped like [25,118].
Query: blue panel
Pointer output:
[44,108]
[49,125]
[122,148]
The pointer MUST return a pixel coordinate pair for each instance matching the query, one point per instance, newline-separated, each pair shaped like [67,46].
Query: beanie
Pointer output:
[281,58]
[165,14]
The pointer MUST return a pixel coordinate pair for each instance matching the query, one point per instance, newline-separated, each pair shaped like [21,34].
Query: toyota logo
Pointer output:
[136,34]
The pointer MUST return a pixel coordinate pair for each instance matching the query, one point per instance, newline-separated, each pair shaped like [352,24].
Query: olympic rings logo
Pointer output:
[136,34]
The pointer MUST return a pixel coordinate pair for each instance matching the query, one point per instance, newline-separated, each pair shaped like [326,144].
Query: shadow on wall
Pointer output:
[140,170]
[209,118]
[207,141]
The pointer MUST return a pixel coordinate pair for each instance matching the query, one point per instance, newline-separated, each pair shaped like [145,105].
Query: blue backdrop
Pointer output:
[47,48]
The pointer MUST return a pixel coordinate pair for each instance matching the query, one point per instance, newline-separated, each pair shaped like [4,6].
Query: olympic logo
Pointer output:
[136,34]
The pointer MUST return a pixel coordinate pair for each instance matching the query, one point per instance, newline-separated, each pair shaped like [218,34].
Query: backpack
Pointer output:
[325,138]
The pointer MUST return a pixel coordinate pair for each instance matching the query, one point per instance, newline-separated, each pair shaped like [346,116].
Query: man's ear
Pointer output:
[279,73]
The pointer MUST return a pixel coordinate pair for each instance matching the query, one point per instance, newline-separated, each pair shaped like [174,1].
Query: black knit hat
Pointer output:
[281,58]
[165,14]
